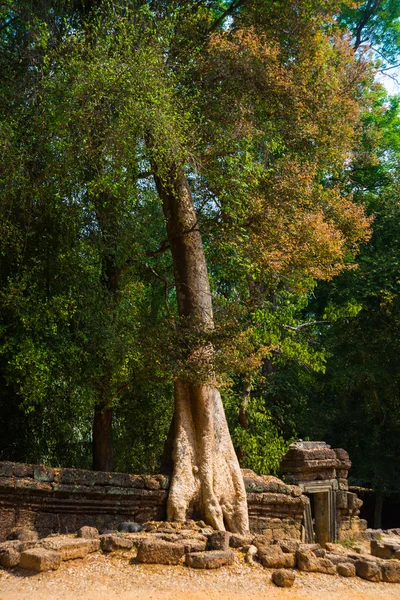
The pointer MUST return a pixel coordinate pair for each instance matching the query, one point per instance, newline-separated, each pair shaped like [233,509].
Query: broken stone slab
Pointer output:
[368,570]
[283,578]
[213,559]
[90,533]
[40,559]
[307,561]
[71,548]
[160,552]
[383,549]
[219,540]
[339,559]
[238,541]
[391,571]
[110,542]
[9,558]
[346,569]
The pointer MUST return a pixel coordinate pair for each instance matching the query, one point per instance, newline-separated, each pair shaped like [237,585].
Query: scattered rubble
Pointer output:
[198,546]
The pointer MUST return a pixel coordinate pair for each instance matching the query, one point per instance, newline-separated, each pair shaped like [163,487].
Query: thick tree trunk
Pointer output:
[102,442]
[206,474]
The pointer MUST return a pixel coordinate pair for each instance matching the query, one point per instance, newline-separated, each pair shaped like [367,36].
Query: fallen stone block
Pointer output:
[391,571]
[110,542]
[213,559]
[381,550]
[193,545]
[9,558]
[160,552]
[326,566]
[346,569]
[71,548]
[368,570]
[219,540]
[289,546]
[307,561]
[290,560]
[335,548]
[283,578]
[339,559]
[40,559]
[272,557]
[238,541]
[88,533]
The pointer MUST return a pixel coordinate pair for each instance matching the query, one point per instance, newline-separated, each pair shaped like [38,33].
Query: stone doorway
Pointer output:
[320,514]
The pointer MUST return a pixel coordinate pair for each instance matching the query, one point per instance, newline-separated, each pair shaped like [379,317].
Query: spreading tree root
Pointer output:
[206,471]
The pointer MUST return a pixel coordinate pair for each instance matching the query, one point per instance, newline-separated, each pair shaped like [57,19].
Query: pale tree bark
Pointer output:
[206,474]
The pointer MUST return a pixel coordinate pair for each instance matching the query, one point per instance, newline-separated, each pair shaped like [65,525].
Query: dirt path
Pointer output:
[100,577]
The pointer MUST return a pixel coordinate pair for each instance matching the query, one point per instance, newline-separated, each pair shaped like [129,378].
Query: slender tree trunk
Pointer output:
[102,442]
[206,474]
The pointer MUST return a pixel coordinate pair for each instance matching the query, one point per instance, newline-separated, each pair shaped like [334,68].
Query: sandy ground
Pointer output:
[101,577]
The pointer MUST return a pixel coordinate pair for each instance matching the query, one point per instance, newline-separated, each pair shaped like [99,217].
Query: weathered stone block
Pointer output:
[346,569]
[238,541]
[283,578]
[391,571]
[381,550]
[219,540]
[289,546]
[326,566]
[71,548]
[341,499]
[160,552]
[307,561]
[43,474]
[40,559]
[9,558]
[368,570]
[272,557]
[88,532]
[213,559]
[110,542]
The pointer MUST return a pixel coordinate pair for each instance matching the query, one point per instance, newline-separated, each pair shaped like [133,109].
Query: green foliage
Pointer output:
[261,446]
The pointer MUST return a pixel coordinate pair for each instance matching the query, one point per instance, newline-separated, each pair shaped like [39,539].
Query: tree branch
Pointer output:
[371,8]
[302,325]
[229,11]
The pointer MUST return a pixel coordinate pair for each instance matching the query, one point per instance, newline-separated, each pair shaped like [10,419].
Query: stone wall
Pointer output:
[63,500]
